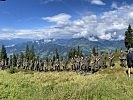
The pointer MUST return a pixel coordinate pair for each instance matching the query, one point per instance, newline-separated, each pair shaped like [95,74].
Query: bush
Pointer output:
[13,70]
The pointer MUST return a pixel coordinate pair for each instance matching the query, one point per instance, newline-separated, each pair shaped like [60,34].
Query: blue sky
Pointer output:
[37,19]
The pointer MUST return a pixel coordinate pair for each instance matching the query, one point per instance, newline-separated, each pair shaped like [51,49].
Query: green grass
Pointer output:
[107,85]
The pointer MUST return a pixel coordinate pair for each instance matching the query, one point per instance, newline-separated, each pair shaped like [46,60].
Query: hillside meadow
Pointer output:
[104,85]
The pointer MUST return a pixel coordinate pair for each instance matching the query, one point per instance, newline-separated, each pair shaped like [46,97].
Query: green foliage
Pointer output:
[32,53]
[13,70]
[129,37]
[47,59]
[94,51]
[73,52]
[53,58]
[14,60]
[3,54]
[27,52]
[21,57]
[56,54]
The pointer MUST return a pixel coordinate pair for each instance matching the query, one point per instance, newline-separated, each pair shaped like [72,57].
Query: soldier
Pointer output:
[103,61]
[26,65]
[86,63]
[97,63]
[76,63]
[51,65]
[31,65]
[40,65]
[82,65]
[2,64]
[73,64]
[129,61]
[93,63]
[122,59]
[45,67]
[64,64]
[18,63]
[57,65]
[111,59]
[36,65]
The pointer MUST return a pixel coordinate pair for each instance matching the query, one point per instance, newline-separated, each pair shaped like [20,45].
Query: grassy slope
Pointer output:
[108,85]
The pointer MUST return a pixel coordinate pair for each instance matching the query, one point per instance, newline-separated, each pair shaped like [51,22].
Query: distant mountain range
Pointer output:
[46,47]
[12,42]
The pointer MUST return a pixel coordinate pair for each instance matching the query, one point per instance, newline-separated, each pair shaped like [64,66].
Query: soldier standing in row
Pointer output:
[2,64]
[31,65]
[73,64]
[111,59]
[45,66]
[82,66]
[51,65]
[93,63]
[77,62]
[122,59]
[97,65]
[18,63]
[57,65]
[64,64]
[40,65]
[103,61]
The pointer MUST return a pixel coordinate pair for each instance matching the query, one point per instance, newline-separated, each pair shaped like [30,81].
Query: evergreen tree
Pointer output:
[74,52]
[56,54]
[21,57]
[94,51]
[10,60]
[129,37]
[3,53]
[78,51]
[61,58]
[70,54]
[27,52]
[53,58]
[32,53]
[116,50]
[47,59]
[14,60]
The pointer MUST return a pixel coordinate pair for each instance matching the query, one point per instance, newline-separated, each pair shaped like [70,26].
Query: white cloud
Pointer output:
[48,1]
[59,19]
[130,15]
[114,5]
[97,2]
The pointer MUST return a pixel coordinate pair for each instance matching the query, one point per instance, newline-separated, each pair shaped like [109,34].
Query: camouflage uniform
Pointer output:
[57,65]
[45,66]
[73,64]
[77,63]
[103,62]
[51,65]
[2,64]
[97,66]
[26,65]
[86,64]
[82,65]
[40,65]
[111,59]
[18,63]
[93,63]
[122,59]
[64,64]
